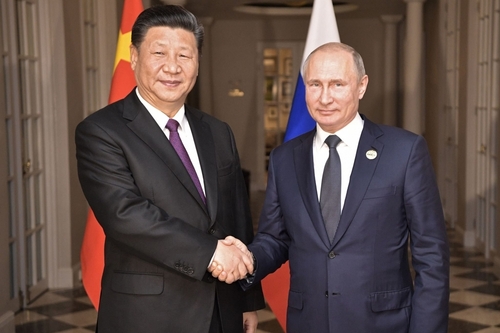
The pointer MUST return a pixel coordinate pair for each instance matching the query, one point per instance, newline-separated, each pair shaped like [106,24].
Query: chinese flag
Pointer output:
[123,81]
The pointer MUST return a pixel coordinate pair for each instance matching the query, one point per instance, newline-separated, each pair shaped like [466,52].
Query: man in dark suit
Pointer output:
[165,183]
[351,273]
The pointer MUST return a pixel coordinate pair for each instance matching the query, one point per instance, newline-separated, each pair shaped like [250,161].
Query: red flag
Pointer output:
[123,81]
[322,29]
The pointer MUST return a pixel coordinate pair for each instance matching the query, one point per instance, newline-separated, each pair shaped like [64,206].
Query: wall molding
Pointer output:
[7,324]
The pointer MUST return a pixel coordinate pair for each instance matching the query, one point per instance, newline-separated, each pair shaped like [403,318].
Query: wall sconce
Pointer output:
[175,2]
[289,7]
[234,89]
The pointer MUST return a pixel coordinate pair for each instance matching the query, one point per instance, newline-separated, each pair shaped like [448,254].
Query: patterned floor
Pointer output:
[474,300]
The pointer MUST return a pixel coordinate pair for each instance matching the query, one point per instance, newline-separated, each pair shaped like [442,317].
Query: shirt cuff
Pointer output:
[211,261]
[251,277]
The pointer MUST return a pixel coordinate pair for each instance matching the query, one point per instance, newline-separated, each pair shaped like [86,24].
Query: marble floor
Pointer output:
[474,300]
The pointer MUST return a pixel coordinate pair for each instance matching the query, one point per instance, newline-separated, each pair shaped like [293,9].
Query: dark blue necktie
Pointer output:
[176,142]
[330,188]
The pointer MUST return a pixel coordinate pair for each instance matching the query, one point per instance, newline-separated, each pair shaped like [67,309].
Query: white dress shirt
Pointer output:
[347,149]
[184,131]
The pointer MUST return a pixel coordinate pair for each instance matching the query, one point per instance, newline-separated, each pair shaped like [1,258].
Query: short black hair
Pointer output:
[172,16]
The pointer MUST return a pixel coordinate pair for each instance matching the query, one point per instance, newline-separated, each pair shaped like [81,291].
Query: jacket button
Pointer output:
[211,231]
[331,255]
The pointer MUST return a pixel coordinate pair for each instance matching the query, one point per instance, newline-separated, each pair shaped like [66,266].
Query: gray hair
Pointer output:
[334,46]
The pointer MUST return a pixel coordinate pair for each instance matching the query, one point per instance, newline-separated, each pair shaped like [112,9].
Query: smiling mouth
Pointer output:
[326,111]
[170,82]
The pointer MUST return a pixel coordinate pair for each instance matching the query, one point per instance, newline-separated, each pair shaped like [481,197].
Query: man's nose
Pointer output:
[171,65]
[326,96]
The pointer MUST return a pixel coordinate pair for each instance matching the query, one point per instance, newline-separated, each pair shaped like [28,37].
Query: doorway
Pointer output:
[22,148]
[277,78]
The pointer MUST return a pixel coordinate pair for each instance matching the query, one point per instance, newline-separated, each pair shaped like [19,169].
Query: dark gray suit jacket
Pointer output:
[160,236]
[361,282]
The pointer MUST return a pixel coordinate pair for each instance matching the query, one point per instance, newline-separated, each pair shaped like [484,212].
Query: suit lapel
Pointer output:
[145,127]
[361,175]
[303,160]
[206,153]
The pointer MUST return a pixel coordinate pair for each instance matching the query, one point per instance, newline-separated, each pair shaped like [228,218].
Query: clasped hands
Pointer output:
[232,260]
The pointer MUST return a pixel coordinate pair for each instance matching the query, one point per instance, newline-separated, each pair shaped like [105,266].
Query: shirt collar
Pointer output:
[349,134]
[161,118]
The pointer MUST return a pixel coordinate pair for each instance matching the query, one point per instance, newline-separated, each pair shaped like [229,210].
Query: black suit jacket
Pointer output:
[160,236]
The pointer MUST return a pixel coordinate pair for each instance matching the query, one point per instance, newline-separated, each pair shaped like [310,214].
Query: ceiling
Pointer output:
[224,9]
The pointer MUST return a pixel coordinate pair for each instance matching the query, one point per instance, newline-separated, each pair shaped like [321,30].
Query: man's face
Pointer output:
[166,67]
[333,89]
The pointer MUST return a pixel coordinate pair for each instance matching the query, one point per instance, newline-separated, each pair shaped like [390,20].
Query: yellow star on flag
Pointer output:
[123,48]
[122,83]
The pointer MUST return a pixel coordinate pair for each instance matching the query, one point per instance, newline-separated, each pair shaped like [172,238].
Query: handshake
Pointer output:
[232,260]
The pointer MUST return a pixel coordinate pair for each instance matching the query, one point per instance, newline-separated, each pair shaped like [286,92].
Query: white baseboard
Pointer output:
[68,277]
[77,275]
[7,324]
[496,265]
[469,238]
[63,280]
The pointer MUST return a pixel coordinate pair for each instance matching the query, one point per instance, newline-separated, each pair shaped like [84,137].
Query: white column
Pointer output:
[205,77]
[390,68]
[413,113]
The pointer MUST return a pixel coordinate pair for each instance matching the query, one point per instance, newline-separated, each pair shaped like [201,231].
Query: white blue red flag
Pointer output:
[322,29]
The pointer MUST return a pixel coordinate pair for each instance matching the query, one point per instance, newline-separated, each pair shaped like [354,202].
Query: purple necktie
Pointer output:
[176,142]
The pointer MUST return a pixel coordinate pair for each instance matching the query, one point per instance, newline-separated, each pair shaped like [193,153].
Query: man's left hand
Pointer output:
[250,321]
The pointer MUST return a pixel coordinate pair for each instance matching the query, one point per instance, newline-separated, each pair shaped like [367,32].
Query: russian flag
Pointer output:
[322,29]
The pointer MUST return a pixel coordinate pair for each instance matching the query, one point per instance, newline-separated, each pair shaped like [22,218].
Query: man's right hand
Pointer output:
[232,260]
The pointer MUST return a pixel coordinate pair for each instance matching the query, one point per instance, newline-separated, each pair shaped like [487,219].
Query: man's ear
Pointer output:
[363,84]
[134,54]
